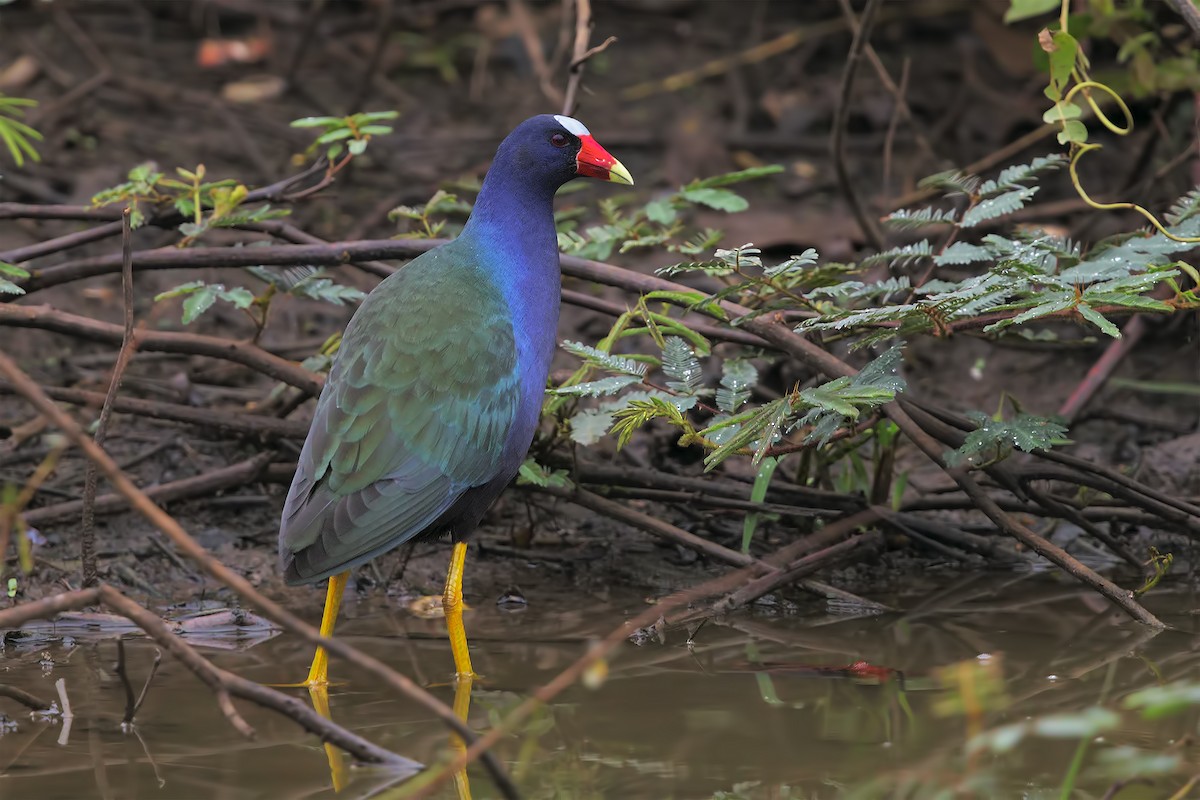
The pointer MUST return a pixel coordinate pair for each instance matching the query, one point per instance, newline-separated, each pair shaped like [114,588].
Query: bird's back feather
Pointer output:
[417,410]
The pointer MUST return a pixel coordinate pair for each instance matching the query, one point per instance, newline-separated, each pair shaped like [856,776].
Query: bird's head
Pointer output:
[555,148]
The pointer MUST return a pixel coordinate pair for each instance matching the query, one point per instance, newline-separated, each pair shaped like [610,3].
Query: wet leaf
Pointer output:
[610,385]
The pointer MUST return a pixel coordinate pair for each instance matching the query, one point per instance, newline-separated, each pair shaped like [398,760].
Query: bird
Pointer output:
[433,398]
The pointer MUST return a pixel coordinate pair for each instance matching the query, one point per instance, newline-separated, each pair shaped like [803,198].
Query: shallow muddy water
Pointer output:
[761,706]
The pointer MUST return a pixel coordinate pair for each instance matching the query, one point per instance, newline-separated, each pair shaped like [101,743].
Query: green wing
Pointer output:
[416,411]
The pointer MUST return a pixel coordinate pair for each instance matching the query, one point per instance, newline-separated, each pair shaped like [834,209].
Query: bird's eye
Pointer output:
[559,139]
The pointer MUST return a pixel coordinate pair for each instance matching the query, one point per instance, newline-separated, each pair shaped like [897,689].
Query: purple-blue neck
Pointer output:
[511,233]
[514,217]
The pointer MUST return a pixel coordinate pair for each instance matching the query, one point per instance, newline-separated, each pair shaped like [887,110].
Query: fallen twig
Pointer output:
[239,474]
[209,419]
[244,353]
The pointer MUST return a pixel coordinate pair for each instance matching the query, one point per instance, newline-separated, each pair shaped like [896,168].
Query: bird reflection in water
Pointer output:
[338,773]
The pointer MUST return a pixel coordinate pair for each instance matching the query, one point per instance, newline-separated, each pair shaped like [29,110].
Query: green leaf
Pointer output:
[793,265]
[922,217]
[1156,702]
[712,268]
[198,302]
[998,206]
[758,493]
[751,429]
[738,377]
[1096,318]
[1017,174]
[736,177]
[638,412]
[902,256]
[531,472]
[13,270]
[1077,725]
[605,360]
[963,253]
[660,211]
[1055,303]
[952,182]
[994,439]
[590,425]
[1185,207]
[357,147]
[610,385]
[238,296]
[842,399]
[679,363]
[378,116]
[180,290]
[720,199]
[1061,112]
[1024,9]
[1073,131]
[317,122]
[316,286]
[335,136]
[1064,53]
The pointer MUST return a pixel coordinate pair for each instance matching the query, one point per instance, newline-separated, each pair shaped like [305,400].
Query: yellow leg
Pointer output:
[318,673]
[452,604]
[319,694]
[462,707]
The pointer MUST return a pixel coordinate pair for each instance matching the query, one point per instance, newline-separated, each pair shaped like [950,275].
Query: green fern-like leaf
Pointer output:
[638,412]
[841,400]
[1017,175]
[12,271]
[997,206]
[994,439]
[772,415]
[952,182]
[609,385]
[793,265]
[679,363]
[857,290]
[606,361]
[1185,207]
[921,218]
[738,377]
[902,256]
[963,253]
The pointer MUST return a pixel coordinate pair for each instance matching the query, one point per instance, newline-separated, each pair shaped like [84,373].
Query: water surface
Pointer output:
[813,704]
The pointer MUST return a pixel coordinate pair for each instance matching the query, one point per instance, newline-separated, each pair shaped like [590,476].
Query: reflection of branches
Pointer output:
[132,704]
[827,535]
[23,697]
